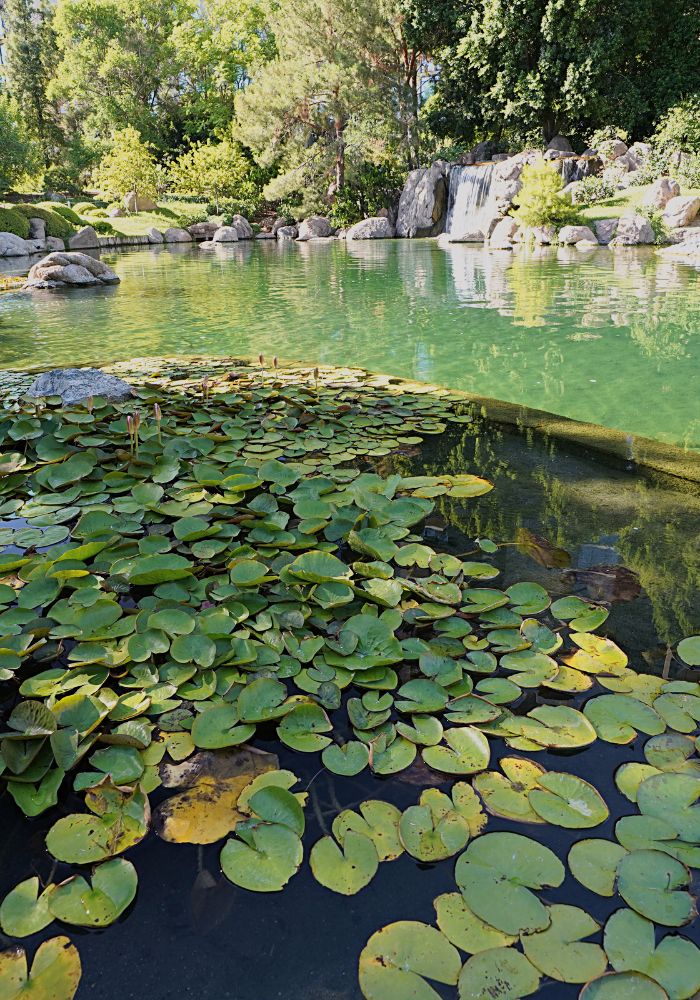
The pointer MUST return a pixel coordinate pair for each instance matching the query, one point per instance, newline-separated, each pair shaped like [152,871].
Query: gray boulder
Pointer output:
[116,213]
[375,228]
[574,234]
[54,243]
[245,230]
[62,270]
[278,224]
[202,230]
[84,239]
[154,235]
[37,230]
[134,202]
[605,230]
[633,230]
[561,144]
[681,211]
[265,236]
[423,202]
[176,235]
[74,385]
[287,233]
[15,246]
[315,227]
[225,234]
[618,148]
[540,235]
[502,236]
[661,192]
[688,251]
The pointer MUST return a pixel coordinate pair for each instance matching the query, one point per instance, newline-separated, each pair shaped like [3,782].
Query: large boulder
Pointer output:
[54,243]
[134,202]
[64,270]
[287,232]
[15,246]
[681,211]
[633,230]
[687,251]
[375,228]
[154,235]
[37,230]
[313,228]
[617,149]
[502,236]
[74,385]
[423,202]
[574,234]
[661,192]
[561,144]
[245,230]
[202,230]
[225,234]
[176,235]
[278,224]
[540,235]
[605,230]
[84,239]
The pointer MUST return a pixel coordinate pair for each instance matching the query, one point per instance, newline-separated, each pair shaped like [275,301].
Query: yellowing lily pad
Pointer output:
[559,951]
[464,929]
[54,975]
[398,961]
[567,800]
[501,973]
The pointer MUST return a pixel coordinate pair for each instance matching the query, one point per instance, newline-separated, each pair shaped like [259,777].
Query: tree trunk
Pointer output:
[339,153]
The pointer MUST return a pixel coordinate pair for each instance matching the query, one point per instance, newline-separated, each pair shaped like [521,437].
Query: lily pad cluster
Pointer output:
[220,560]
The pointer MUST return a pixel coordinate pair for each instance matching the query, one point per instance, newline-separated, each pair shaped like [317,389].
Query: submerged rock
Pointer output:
[61,270]
[76,384]
[287,233]
[375,228]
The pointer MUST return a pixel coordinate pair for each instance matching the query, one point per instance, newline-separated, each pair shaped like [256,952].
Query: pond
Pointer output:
[619,536]
[607,337]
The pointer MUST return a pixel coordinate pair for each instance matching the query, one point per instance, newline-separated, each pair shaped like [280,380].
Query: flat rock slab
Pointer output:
[74,385]
[69,269]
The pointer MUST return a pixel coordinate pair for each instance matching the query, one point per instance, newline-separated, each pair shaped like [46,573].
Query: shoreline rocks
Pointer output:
[374,228]
[315,227]
[69,270]
[176,235]
[74,385]
[84,239]
[423,202]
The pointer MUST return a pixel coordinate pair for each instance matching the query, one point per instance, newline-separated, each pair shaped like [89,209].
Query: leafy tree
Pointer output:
[679,128]
[18,153]
[129,165]
[31,58]
[217,170]
[540,202]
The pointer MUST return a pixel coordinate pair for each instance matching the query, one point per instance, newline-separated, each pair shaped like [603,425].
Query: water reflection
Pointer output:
[583,335]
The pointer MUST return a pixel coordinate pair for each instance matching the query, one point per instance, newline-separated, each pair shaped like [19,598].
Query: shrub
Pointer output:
[374,186]
[540,202]
[679,128]
[604,138]
[189,217]
[102,226]
[594,189]
[13,222]
[96,213]
[56,225]
[68,214]
[689,169]
[81,207]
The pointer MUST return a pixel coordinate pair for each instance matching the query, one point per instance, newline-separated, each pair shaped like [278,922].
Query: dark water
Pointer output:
[223,943]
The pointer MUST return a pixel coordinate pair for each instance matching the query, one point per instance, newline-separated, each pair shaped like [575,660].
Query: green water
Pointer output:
[608,337]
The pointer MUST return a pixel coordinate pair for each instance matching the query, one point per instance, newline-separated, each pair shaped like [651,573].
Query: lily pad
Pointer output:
[377,820]
[24,910]
[506,794]
[113,890]
[567,800]
[467,752]
[674,964]
[54,975]
[594,863]
[267,863]
[654,885]
[347,869]
[397,960]
[560,951]
[464,929]
[498,974]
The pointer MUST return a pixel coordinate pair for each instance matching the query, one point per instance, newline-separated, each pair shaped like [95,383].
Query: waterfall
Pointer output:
[470,207]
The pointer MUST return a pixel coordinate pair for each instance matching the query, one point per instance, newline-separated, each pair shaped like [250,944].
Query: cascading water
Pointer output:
[470,206]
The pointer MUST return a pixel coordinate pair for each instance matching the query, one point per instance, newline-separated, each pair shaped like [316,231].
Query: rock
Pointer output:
[37,230]
[574,234]
[60,270]
[375,228]
[245,230]
[687,251]
[561,144]
[423,202]
[74,385]
[500,157]
[680,211]
[483,151]
[54,243]
[605,229]
[618,148]
[176,235]
[278,224]
[154,235]
[684,233]
[225,234]
[15,246]
[138,203]
[208,245]
[586,245]
[574,191]
[202,230]
[502,236]
[84,239]
[661,192]
[116,213]
[265,236]
[287,233]
[631,179]
[633,230]
[541,235]
[313,227]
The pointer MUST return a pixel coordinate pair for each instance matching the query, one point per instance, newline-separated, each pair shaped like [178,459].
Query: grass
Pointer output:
[623,203]
[163,218]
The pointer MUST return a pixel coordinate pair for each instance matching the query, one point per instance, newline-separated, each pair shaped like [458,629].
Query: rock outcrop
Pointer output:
[661,192]
[202,230]
[244,228]
[423,202]
[374,228]
[15,246]
[688,251]
[561,144]
[154,235]
[134,202]
[605,230]
[226,234]
[575,234]
[503,234]
[74,385]
[633,230]
[287,233]
[681,211]
[66,270]
[37,230]
[313,228]
[176,235]
[84,239]
[54,243]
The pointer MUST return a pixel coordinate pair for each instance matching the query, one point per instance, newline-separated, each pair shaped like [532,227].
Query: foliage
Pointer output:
[603,138]
[68,213]
[56,224]
[128,166]
[689,169]
[102,226]
[594,189]
[371,188]
[12,221]
[540,202]
[218,171]
[81,207]
[189,218]
[17,152]
[679,127]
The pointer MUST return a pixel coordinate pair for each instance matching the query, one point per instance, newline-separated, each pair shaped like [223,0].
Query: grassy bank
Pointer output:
[623,203]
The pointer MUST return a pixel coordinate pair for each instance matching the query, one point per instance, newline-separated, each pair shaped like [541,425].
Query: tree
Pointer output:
[217,170]
[540,201]
[128,166]
[32,55]
[18,154]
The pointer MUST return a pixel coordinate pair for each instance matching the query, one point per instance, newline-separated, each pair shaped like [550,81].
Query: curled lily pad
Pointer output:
[501,973]
[567,800]
[506,794]
[496,874]
[345,869]
[397,960]
[674,964]
[433,829]
[24,910]
[654,885]
[464,929]
[117,821]
[594,864]
[377,820]
[559,951]
[267,863]
[467,752]
[54,975]
[556,726]
[100,904]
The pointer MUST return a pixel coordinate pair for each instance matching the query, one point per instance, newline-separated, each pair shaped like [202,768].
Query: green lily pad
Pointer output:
[594,863]
[377,820]
[113,890]
[560,951]
[347,869]
[654,885]
[506,794]
[24,910]
[623,986]
[689,650]
[567,800]
[672,798]
[397,960]
[433,830]
[348,760]
[501,973]
[267,863]
[467,752]
[464,929]
[220,726]
[319,567]
[674,964]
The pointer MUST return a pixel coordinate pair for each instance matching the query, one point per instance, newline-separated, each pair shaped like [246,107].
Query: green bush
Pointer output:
[595,189]
[689,170]
[189,218]
[102,226]
[679,128]
[83,206]
[67,213]
[13,222]
[56,225]
[95,213]
[371,188]
[540,201]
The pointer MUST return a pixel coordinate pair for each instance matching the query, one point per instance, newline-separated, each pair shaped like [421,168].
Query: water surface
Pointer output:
[611,337]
